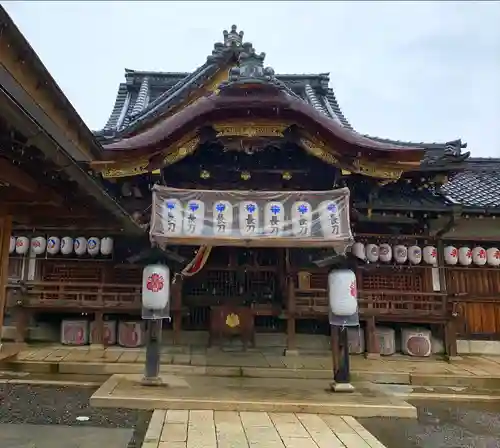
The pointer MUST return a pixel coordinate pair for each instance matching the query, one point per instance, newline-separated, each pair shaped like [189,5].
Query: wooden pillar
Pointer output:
[450,339]
[22,318]
[291,339]
[371,341]
[177,310]
[98,334]
[449,330]
[5,232]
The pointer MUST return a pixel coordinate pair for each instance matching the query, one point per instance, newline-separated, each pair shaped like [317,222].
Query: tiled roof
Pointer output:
[478,186]
[475,189]
[146,94]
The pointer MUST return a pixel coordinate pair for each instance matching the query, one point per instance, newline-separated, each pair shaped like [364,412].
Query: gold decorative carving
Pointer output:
[249,130]
[182,151]
[318,149]
[381,172]
[232,320]
[141,167]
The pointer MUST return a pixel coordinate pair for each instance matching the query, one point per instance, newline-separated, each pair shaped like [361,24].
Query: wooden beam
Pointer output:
[5,232]
[16,177]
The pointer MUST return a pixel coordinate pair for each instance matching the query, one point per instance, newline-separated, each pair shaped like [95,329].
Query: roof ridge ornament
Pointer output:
[233,38]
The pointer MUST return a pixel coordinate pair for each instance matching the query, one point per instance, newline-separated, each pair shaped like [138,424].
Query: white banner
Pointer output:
[251,218]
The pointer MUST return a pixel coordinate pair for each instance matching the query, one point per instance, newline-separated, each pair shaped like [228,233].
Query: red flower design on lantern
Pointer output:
[482,253]
[36,243]
[469,253]
[454,252]
[352,289]
[434,253]
[497,254]
[19,243]
[155,283]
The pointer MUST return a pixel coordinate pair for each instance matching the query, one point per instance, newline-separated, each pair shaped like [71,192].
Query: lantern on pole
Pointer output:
[342,293]
[155,287]
[155,307]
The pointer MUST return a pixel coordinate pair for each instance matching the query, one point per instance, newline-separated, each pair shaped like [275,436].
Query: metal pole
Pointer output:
[343,373]
[153,342]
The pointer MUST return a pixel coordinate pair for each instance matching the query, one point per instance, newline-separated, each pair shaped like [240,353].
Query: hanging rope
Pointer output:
[196,264]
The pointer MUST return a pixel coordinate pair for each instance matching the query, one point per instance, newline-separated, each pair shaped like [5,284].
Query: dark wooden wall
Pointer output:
[479,310]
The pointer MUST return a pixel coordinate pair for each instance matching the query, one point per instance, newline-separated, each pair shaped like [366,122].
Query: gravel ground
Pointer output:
[441,425]
[49,405]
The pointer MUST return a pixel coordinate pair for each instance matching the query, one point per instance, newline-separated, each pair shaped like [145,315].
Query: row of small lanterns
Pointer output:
[429,254]
[65,245]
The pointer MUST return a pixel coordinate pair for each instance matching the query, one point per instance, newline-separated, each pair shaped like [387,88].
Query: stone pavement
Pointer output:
[226,429]
[396,369]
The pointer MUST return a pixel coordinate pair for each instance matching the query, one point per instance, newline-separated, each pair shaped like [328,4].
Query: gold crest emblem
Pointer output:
[232,320]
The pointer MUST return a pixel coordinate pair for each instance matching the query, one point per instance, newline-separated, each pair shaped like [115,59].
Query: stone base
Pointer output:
[342,387]
[288,352]
[372,355]
[152,381]
[239,394]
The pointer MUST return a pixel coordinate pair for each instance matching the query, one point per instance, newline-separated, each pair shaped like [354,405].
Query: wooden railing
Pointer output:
[314,301]
[75,296]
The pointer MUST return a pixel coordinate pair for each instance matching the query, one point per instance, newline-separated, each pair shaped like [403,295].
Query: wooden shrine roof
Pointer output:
[43,143]
[145,96]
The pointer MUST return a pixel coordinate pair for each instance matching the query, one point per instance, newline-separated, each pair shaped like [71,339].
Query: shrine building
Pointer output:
[251,186]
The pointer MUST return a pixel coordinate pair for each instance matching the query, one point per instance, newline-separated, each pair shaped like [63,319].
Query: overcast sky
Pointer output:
[421,71]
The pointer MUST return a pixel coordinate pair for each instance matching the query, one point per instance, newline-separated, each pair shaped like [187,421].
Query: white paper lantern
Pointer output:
[430,254]
[342,292]
[400,254]
[372,253]
[274,218]
[38,245]
[493,256]
[131,334]
[172,217]
[22,245]
[53,245]
[66,245]
[109,332]
[479,256]
[465,256]
[451,255]
[93,245]
[194,217]
[301,215]
[12,244]
[222,218]
[155,286]
[74,332]
[80,245]
[358,250]
[248,218]
[385,253]
[107,246]
[329,219]
[415,254]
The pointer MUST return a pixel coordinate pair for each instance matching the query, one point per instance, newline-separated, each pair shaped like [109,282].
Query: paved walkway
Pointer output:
[200,357]
[225,429]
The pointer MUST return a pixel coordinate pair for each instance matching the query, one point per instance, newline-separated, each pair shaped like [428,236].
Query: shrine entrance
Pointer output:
[241,277]
[240,291]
